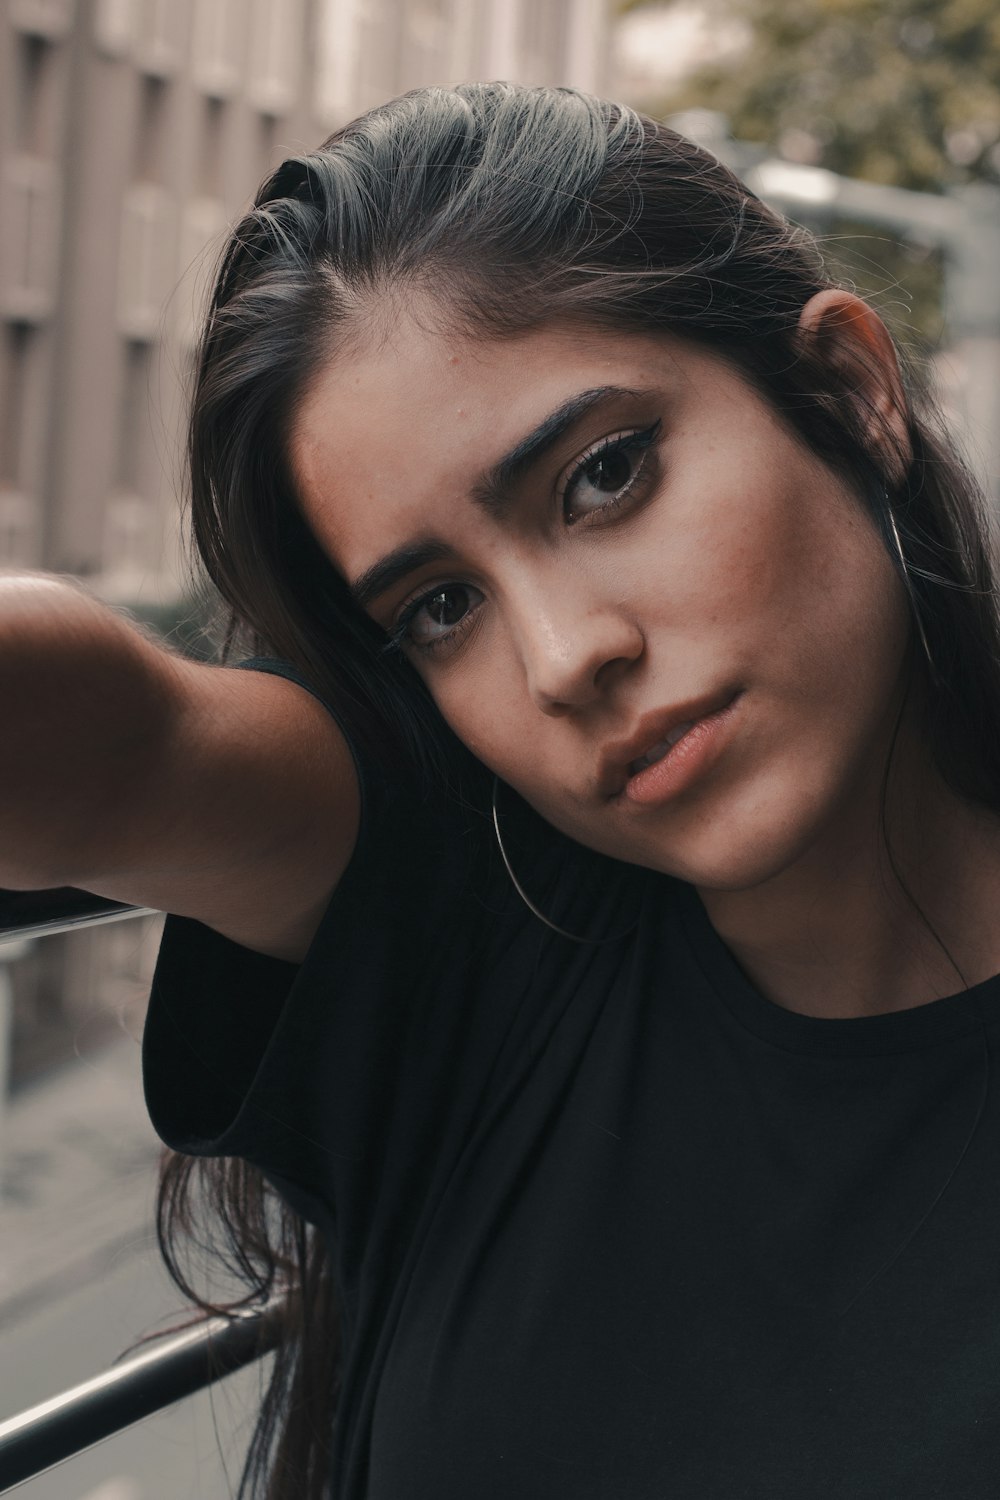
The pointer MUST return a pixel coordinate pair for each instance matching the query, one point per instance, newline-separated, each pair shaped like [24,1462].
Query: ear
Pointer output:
[844,332]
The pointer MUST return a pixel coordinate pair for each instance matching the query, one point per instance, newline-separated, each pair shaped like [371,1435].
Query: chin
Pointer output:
[732,871]
[742,843]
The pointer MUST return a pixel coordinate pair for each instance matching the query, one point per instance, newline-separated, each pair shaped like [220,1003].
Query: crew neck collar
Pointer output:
[907,1030]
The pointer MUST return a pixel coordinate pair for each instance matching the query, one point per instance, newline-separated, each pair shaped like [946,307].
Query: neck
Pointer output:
[875,918]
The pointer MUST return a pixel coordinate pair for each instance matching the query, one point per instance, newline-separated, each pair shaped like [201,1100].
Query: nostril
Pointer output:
[572,654]
[611,671]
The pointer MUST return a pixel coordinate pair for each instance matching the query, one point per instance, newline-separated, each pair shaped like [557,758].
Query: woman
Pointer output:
[607,988]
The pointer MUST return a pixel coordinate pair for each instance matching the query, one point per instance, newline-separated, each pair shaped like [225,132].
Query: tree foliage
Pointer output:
[895,91]
[905,92]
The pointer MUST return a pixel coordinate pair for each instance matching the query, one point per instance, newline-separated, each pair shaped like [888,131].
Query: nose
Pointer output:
[574,648]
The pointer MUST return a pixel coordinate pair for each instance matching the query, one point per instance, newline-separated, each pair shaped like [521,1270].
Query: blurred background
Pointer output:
[132,132]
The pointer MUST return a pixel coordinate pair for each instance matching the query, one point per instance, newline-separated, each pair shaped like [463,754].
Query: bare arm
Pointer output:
[225,795]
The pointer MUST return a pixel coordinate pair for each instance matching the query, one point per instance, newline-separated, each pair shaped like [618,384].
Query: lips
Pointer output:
[654,735]
[660,749]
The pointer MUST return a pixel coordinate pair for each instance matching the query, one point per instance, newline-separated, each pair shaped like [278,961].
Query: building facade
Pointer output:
[131,133]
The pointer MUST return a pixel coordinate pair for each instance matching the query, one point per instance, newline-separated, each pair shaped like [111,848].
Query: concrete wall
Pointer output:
[131,133]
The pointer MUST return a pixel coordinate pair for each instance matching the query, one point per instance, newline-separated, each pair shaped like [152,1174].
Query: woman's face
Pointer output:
[585,542]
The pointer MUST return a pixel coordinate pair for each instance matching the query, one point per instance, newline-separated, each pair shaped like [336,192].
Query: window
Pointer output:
[133,417]
[584,53]
[20,528]
[146,266]
[48,18]
[116,24]
[151,138]
[429,27]
[276,50]
[29,229]
[376,67]
[159,36]
[336,60]
[543,42]
[129,552]
[203,222]
[210,175]
[23,409]
[469,33]
[37,94]
[500,52]
[217,40]
[14,375]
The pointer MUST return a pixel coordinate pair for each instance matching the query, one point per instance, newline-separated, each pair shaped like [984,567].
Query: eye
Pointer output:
[607,474]
[435,619]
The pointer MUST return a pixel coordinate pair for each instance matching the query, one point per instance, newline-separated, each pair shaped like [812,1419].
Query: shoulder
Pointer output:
[247,814]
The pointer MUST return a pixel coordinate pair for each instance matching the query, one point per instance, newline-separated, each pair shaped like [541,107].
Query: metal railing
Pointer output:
[39,913]
[173,1367]
[176,1366]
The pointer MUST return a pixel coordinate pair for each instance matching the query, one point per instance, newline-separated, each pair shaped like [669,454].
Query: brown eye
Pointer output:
[448,606]
[440,615]
[609,472]
[604,478]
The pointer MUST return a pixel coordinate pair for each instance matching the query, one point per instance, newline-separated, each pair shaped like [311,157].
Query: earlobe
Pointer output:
[843,331]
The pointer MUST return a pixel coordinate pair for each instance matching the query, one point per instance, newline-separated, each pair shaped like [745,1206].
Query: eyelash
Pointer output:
[631,442]
[398,634]
[628,442]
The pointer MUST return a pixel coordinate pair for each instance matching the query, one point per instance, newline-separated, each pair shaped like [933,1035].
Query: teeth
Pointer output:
[654,754]
[679,732]
[658,751]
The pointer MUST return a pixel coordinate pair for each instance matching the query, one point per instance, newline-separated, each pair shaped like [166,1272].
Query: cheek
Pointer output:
[796,580]
[482,707]
[853,614]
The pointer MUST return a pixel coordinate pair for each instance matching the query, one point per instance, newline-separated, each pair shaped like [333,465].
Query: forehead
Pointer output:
[391,438]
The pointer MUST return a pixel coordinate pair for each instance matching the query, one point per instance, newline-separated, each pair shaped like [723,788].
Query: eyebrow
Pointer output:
[492,492]
[396,566]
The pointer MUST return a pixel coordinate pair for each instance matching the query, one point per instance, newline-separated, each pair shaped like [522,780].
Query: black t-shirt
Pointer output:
[606,1223]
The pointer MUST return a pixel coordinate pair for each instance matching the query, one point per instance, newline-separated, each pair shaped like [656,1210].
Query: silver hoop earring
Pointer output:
[909,588]
[519,888]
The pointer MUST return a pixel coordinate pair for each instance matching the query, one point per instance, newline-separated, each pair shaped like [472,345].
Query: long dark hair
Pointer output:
[504,208]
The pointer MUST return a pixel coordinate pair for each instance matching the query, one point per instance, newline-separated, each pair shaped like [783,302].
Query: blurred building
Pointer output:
[131,133]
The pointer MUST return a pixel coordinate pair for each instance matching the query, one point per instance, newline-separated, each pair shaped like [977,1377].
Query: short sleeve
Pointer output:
[370,1060]
[216,1007]
[213,1009]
